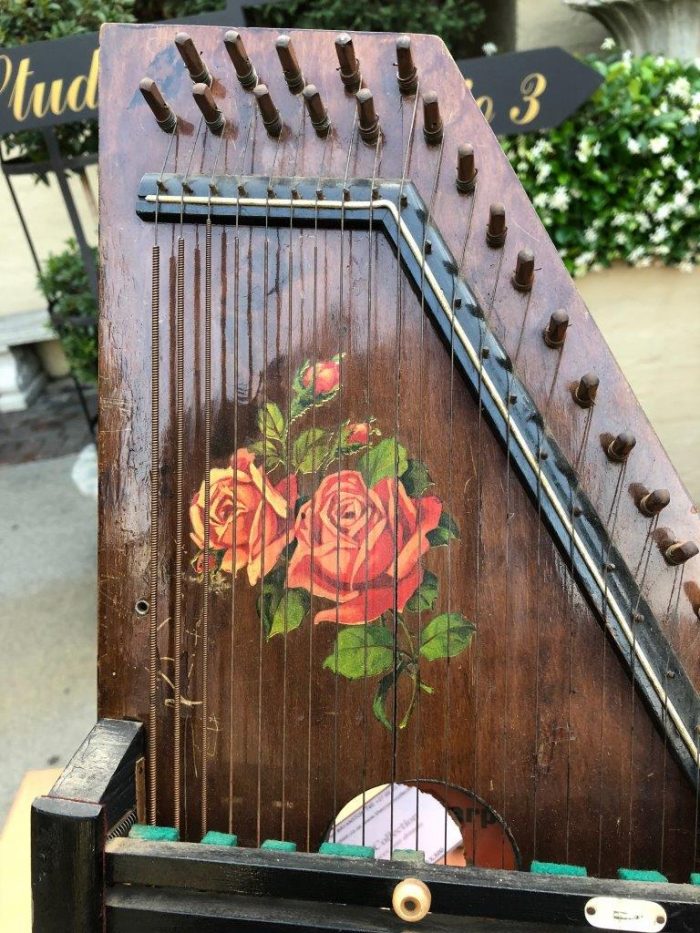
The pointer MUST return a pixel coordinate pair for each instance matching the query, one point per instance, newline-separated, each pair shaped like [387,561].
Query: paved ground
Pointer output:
[52,427]
[47,617]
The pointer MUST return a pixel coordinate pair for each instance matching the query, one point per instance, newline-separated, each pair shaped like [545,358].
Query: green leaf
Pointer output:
[362,651]
[388,458]
[445,532]
[271,423]
[290,613]
[269,599]
[310,450]
[426,594]
[416,479]
[446,636]
[379,701]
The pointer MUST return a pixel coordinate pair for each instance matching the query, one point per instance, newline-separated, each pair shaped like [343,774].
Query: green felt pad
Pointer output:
[154,833]
[557,868]
[345,851]
[279,845]
[212,838]
[695,878]
[636,874]
[408,855]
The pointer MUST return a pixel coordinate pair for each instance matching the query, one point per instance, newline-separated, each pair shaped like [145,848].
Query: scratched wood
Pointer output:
[538,716]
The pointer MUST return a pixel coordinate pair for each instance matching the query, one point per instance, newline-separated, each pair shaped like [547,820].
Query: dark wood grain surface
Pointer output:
[538,717]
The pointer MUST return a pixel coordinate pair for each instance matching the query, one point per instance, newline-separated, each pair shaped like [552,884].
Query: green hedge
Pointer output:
[619,180]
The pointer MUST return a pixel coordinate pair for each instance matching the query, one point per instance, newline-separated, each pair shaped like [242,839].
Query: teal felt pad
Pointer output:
[345,851]
[154,833]
[408,855]
[213,838]
[557,868]
[279,845]
[636,874]
[695,878]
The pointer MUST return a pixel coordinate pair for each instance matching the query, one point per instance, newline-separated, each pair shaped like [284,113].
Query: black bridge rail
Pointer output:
[263,888]
[398,212]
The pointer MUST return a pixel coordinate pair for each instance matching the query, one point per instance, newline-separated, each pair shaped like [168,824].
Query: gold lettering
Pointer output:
[5,59]
[18,91]
[82,91]
[485,105]
[532,87]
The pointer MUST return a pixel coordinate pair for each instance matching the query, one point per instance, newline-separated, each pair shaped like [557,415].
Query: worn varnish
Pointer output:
[538,716]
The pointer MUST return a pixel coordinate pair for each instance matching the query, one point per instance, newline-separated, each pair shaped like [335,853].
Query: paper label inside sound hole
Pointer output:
[623,913]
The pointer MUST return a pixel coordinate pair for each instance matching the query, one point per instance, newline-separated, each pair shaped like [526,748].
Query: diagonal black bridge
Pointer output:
[396,210]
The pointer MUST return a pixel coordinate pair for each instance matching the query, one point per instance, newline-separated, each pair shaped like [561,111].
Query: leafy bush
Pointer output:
[454,20]
[73,309]
[619,180]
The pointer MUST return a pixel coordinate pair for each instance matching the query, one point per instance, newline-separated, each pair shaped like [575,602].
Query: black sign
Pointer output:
[47,83]
[521,92]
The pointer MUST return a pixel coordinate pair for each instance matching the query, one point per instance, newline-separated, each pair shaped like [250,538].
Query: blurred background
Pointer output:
[615,183]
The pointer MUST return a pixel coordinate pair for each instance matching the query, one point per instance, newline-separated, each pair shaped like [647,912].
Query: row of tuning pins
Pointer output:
[651,504]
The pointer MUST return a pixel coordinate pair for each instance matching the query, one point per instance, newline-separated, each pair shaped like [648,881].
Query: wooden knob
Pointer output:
[555,331]
[432,121]
[161,110]
[680,552]
[245,72]
[204,99]
[654,502]
[270,113]
[349,64]
[496,230]
[290,65]
[586,390]
[369,124]
[316,110]
[193,60]
[407,74]
[524,274]
[411,900]
[621,447]
[466,169]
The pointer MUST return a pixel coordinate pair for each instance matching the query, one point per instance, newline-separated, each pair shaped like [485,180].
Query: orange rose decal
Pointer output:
[259,514]
[366,543]
[322,378]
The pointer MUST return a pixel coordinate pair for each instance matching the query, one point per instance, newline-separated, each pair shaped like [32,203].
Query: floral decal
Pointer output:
[350,552]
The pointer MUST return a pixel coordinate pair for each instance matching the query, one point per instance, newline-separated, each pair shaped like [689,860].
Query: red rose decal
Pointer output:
[322,378]
[364,546]
[358,433]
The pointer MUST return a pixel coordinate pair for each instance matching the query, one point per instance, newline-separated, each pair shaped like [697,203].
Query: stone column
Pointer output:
[663,27]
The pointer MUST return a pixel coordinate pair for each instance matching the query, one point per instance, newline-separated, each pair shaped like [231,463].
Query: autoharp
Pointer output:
[398,614]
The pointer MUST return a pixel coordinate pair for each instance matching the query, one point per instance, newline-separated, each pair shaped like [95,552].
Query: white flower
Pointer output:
[585,259]
[608,44]
[667,161]
[587,148]
[659,61]
[627,56]
[693,116]
[541,148]
[619,220]
[663,212]
[659,235]
[686,266]
[560,199]
[682,173]
[522,166]
[688,186]
[543,172]
[489,48]
[633,146]
[642,221]
[540,200]
[643,263]
[662,250]
[659,143]
[621,238]
[680,199]
[635,254]
[695,99]
[590,236]
[680,89]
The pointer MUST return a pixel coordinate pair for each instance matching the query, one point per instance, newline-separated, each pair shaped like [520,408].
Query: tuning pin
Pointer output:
[290,65]
[407,75]
[654,502]
[466,169]
[680,552]
[369,123]
[316,109]
[193,60]
[270,113]
[524,274]
[555,332]
[349,65]
[432,121]
[245,72]
[620,448]
[165,118]
[586,390]
[204,99]
[496,230]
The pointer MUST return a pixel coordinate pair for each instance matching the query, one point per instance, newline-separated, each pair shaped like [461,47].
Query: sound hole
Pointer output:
[450,825]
